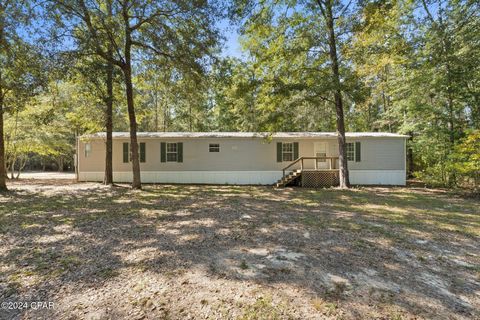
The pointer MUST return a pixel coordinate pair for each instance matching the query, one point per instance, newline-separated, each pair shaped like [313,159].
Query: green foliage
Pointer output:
[465,160]
[405,66]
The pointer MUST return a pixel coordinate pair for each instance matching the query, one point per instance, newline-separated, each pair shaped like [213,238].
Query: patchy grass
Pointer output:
[243,265]
[174,251]
[263,309]
[324,307]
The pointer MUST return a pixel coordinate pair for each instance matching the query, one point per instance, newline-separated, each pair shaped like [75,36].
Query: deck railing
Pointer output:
[301,161]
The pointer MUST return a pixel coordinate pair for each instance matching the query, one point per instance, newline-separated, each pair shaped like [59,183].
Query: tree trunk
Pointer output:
[127,72]
[155,102]
[136,183]
[12,168]
[21,166]
[3,168]
[332,42]
[156,112]
[60,164]
[190,118]
[3,173]
[108,179]
[165,105]
[411,167]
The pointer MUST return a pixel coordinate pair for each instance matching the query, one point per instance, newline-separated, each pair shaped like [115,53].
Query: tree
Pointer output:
[12,13]
[108,179]
[171,98]
[99,77]
[181,31]
[299,43]
[327,9]
[465,159]
[21,72]
[418,61]
[42,128]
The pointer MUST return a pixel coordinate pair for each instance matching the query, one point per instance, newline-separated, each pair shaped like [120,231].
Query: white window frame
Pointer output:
[169,152]
[88,149]
[214,147]
[287,155]
[350,151]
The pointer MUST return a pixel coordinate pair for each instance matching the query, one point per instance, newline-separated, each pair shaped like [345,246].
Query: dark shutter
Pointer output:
[125,152]
[180,152]
[279,152]
[163,152]
[358,152]
[295,150]
[143,155]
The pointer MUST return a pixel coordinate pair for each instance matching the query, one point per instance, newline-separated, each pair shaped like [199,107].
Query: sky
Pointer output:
[231,46]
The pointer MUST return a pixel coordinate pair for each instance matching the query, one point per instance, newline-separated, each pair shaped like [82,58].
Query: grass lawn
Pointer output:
[215,252]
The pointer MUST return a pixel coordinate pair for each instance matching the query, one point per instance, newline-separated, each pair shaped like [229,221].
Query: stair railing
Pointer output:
[301,159]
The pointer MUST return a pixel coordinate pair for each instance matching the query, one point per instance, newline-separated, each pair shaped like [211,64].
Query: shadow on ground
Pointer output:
[238,252]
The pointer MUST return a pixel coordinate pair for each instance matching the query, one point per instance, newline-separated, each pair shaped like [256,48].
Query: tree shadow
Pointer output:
[362,249]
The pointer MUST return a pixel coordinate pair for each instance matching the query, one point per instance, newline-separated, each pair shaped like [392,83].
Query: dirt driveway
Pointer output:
[229,252]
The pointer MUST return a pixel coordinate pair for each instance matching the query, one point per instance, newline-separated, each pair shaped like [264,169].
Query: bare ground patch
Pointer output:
[214,252]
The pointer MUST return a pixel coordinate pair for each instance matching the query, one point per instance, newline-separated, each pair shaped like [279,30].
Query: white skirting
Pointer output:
[362,177]
[385,177]
[206,177]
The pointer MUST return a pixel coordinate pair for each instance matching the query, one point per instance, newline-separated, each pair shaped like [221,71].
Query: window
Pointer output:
[88,149]
[287,151]
[323,155]
[171,152]
[214,147]
[127,155]
[321,151]
[350,151]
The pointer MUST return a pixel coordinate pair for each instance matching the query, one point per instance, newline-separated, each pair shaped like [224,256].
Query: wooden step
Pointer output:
[288,178]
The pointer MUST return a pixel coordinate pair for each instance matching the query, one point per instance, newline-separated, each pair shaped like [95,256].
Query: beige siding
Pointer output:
[95,162]
[240,154]
[380,154]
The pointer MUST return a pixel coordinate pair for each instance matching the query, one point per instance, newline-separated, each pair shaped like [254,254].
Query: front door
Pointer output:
[320,149]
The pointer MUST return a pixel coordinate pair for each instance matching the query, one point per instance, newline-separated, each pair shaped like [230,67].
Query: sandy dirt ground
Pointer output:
[237,252]
[44,175]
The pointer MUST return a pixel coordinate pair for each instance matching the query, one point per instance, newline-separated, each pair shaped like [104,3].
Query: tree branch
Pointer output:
[151,48]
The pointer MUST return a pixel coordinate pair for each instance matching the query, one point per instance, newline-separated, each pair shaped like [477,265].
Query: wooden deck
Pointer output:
[310,178]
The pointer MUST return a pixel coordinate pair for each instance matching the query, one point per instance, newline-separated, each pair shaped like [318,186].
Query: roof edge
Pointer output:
[305,135]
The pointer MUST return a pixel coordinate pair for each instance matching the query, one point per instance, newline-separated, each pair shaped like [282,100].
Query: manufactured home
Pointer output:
[304,158]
